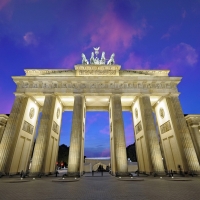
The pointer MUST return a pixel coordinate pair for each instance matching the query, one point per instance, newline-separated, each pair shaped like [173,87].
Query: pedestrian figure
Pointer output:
[101,170]
[22,174]
[172,173]
[57,173]
[92,172]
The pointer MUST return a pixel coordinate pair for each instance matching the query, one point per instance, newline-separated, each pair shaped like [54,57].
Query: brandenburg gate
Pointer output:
[151,96]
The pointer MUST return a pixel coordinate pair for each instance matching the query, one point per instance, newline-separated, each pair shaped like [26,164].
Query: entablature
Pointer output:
[146,84]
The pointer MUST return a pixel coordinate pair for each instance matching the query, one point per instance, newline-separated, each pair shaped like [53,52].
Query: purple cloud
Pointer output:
[181,54]
[70,60]
[183,14]
[179,58]
[172,30]
[91,120]
[135,61]
[113,33]
[129,134]
[3,3]
[105,152]
[105,130]
[30,39]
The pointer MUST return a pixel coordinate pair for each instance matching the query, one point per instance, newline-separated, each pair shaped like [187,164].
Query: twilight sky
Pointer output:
[142,34]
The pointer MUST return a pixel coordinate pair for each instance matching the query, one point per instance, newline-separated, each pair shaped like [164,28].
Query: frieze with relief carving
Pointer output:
[27,127]
[165,127]
[125,85]
[55,127]
[138,128]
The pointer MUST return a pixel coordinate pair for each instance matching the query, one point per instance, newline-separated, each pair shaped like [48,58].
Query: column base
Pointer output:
[73,174]
[160,173]
[122,174]
[2,174]
[36,174]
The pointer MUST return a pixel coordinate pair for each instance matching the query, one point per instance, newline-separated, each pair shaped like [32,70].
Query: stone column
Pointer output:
[181,128]
[196,139]
[74,160]
[11,132]
[40,149]
[150,132]
[3,121]
[119,137]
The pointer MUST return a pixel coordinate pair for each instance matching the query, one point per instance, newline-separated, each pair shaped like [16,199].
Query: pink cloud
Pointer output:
[183,15]
[112,33]
[91,120]
[181,54]
[30,39]
[105,130]
[179,57]
[172,30]
[129,133]
[137,62]
[70,60]
[105,153]
[3,3]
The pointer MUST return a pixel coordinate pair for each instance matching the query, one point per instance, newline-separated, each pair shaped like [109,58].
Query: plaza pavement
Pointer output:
[97,187]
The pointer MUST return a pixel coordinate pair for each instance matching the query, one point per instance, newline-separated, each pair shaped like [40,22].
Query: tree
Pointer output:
[63,154]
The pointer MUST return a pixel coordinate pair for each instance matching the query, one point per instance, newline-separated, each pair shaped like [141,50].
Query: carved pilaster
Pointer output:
[11,132]
[150,132]
[40,149]
[180,125]
[119,137]
[74,161]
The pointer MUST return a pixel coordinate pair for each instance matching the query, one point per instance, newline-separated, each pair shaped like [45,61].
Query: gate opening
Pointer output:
[97,134]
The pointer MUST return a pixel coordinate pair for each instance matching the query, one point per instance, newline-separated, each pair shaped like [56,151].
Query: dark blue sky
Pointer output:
[143,35]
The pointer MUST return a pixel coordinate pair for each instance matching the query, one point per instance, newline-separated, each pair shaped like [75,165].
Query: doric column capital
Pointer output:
[173,94]
[194,125]
[49,94]
[193,120]
[78,94]
[115,94]
[144,95]
[17,94]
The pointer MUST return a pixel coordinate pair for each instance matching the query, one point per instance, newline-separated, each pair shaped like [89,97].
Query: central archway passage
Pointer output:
[97,134]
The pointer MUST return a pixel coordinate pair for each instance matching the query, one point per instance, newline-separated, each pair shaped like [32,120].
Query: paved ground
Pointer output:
[97,187]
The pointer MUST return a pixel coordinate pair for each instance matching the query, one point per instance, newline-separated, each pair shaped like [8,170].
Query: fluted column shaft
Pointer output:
[119,137]
[40,149]
[2,128]
[150,132]
[11,132]
[76,137]
[196,139]
[184,134]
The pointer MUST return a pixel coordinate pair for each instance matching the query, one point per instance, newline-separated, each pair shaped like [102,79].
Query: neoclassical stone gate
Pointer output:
[148,94]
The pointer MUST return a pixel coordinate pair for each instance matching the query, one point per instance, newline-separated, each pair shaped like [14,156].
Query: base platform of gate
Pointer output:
[17,180]
[129,179]
[66,179]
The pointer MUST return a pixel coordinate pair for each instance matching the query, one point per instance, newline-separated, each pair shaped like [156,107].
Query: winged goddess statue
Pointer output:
[95,60]
[96,50]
